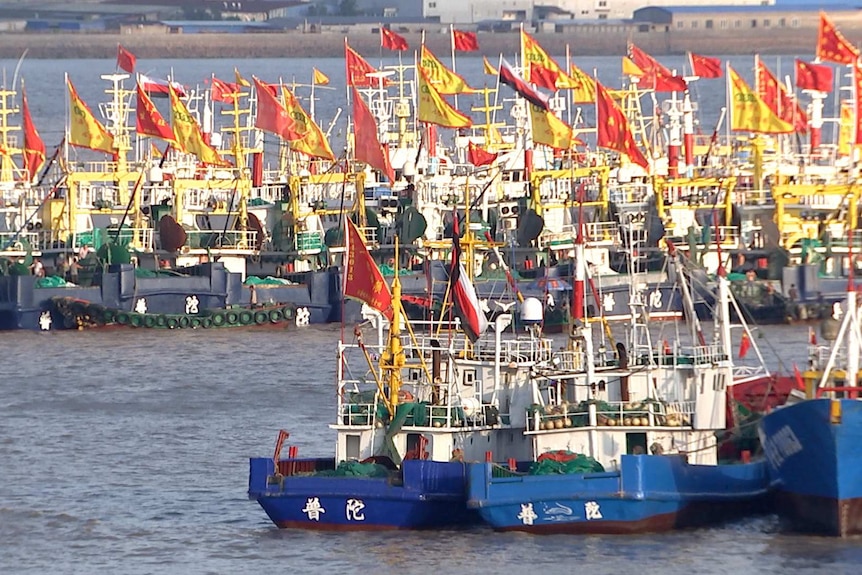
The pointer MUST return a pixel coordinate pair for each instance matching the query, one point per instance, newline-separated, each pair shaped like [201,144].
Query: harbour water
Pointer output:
[126,451]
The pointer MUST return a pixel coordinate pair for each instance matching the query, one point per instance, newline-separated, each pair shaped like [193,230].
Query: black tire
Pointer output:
[196,322]
[261,317]
[276,316]
[232,317]
[136,320]
[218,319]
[207,322]
[161,321]
[246,317]
[184,322]
[123,318]
[149,321]
[172,323]
[287,312]
[110,316]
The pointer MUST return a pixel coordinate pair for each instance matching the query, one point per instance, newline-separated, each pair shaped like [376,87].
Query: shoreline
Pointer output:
[330,45]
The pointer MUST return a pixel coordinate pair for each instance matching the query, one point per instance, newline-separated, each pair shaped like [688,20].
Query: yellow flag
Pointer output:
[585,93]
[187,133]
[85,131]
[311,140]
[445,80]
[433,109]
[544,70]
[749,113]
[320,78]
[155,151]
[549,129]
[630,68]
[488,68]
[240,80]
[846,129]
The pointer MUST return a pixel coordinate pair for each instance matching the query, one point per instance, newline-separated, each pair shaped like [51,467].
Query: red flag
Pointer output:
[465,41]
[479,156]
[392,41]
[813,76]
[656,77]
[832,46]
[358,70]
[368,148]
[464,298]
[800,382]
[704,66]
[857,86]
[744,345]
[812,336]
[613,129]
[125,60]
[362,277]
[34,147]
[148,119]
[272,116]
[511,78]
[224,92]
[775,95]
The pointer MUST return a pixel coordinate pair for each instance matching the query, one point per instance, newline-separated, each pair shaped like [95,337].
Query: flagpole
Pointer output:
[452,45]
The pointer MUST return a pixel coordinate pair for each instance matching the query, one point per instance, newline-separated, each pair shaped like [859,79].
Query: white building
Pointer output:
[474,11]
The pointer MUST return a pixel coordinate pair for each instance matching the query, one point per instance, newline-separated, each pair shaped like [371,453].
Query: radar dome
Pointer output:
[531,311]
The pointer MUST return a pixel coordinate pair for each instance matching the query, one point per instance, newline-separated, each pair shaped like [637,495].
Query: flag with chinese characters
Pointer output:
[704,66]
[831,44]
[813,76]
[187,133]
[224,92]
[125,60]
[613,129]
[358,70]
[85,131]
[445,81]
[310,139]
[148,120]
[319,78]
[544,71]
[34,147]
[549,130]
[367,146]
[464,41]
[362,278]
[748,111]
[392,41]
[433,109]
[776,96]
[272,116]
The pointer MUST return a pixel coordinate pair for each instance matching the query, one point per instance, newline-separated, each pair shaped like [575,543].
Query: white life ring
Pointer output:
[303,316]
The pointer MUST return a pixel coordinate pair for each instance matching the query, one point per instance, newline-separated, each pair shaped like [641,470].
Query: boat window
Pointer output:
[352,447]
[469,376]
[636,443]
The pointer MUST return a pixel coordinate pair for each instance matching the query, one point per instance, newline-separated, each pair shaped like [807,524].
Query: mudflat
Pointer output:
[327,45]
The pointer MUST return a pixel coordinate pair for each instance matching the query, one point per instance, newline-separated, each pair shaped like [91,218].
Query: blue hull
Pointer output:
[209,286]
[815,463]
[423,495]
[649,493]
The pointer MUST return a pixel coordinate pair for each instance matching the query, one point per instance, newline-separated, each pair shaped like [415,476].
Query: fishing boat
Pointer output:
[626,445]
[812,442]
[405,429]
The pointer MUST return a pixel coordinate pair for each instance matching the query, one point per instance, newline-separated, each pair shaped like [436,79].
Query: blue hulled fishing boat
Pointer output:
[813,444]
[627,444]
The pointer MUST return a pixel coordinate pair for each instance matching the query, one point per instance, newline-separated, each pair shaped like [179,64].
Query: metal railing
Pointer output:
[649,413]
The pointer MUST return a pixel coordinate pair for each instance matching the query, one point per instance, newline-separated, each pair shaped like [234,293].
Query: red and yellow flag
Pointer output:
[544,71]
[613,129]
[85,131]
[749,113]
[488,68]
[309,139]
[358,70]
[778,99]
[846,128]
[445,80]
[187,133]
[362,277]
[433,109]
[549,130]
[831,44]
[857,87]
[272,116]
[148,120]
[34,147]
